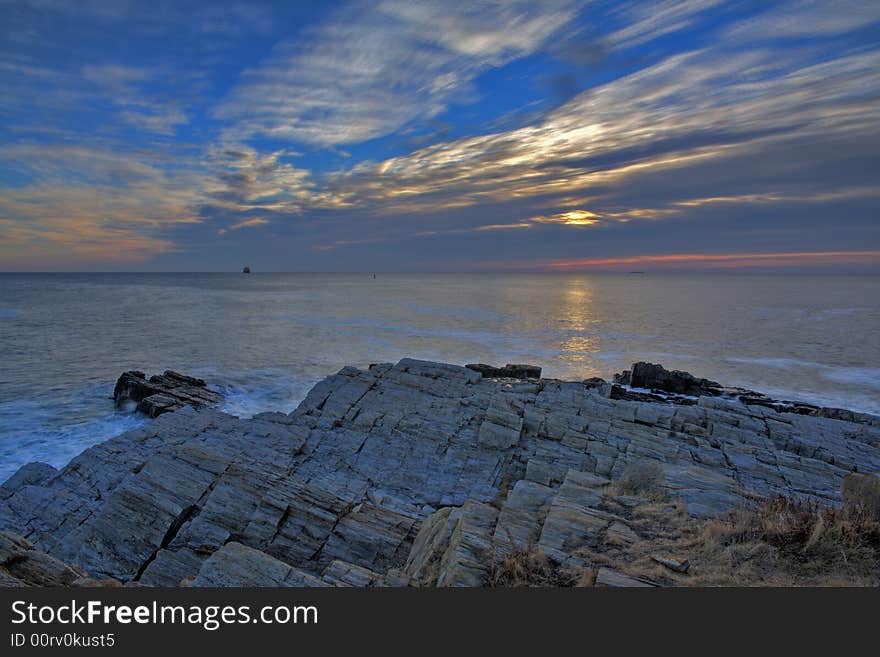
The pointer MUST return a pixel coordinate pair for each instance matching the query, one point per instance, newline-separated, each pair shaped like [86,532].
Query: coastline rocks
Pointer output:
[507,372]
[657,377]
[162,393]
[415,473]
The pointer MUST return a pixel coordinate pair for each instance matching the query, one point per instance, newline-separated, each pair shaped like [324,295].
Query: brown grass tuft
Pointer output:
[807,534]
[861,495]
[531,567]
[644,479]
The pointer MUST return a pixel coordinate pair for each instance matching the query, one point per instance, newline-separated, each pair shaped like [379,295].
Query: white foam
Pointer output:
[39,433]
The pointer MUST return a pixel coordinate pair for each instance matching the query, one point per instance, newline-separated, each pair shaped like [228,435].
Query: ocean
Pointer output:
[265,339]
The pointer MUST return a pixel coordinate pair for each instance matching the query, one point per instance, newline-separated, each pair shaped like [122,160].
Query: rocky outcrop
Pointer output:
[679,387]
[162,393]
[416,473]
[657,377]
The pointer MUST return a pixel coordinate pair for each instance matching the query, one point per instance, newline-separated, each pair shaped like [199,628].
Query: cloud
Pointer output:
[84,205]
[243,179]
[720,260]
[245,223]
[762,130]
[375,67]
[123,86]
[160,123]
[680,113]
[807,19]
[647,21]
[117,78]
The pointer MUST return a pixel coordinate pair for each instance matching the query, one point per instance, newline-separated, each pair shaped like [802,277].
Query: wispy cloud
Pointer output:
[682,112]
[719,260]
[646,21]
[243,179]
[374,67]
[87,205]
[245,223]
[798,19]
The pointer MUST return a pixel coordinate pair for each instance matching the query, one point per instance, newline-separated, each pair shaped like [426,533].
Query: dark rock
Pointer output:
[615,391]
[163,393]
[657,377]
[509,371]
[848,416]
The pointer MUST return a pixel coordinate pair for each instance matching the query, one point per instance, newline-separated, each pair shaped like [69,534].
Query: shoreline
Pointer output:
[376,471]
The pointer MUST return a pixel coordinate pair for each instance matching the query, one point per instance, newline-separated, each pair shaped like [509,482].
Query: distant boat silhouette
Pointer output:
[246,270]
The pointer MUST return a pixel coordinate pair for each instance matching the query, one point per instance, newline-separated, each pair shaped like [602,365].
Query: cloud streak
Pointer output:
[375,67]
[718,260]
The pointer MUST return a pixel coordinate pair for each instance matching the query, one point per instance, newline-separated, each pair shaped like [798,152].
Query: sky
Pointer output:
[394,135]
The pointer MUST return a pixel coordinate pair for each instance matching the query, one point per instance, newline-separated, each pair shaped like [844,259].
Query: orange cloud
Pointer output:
[725,260]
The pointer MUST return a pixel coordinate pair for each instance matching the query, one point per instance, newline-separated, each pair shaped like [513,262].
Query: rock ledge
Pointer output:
[414,473]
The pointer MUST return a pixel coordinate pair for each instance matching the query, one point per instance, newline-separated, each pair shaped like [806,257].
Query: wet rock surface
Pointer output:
[162,393]
[414,473]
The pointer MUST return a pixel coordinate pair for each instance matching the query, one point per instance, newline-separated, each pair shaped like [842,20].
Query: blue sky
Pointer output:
[396,135]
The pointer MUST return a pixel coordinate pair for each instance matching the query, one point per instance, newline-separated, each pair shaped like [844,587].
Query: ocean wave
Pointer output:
[9,313]
[781,363]
[865,376]
[35,431]
[858,402]
[247,393]
[862,376]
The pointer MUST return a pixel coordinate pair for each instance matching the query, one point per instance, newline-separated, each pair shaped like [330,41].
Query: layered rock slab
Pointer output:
[162,393]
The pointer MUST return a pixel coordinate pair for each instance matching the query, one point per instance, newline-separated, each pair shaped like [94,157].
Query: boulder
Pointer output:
[162,393]
[657,377]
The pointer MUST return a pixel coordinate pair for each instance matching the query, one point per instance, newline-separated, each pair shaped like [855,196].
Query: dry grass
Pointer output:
[643,479]
[776,541]
[807,542]
[531,567]
[861,495]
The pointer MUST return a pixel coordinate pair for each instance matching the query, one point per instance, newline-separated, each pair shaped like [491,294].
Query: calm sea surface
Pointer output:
[265,339]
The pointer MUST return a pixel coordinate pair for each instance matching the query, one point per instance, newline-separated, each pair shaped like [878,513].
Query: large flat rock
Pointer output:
[414,472]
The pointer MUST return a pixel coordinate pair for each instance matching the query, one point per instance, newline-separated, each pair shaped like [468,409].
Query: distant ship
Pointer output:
[246,270]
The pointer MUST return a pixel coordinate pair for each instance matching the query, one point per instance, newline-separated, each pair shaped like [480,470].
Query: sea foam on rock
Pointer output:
[415,473]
